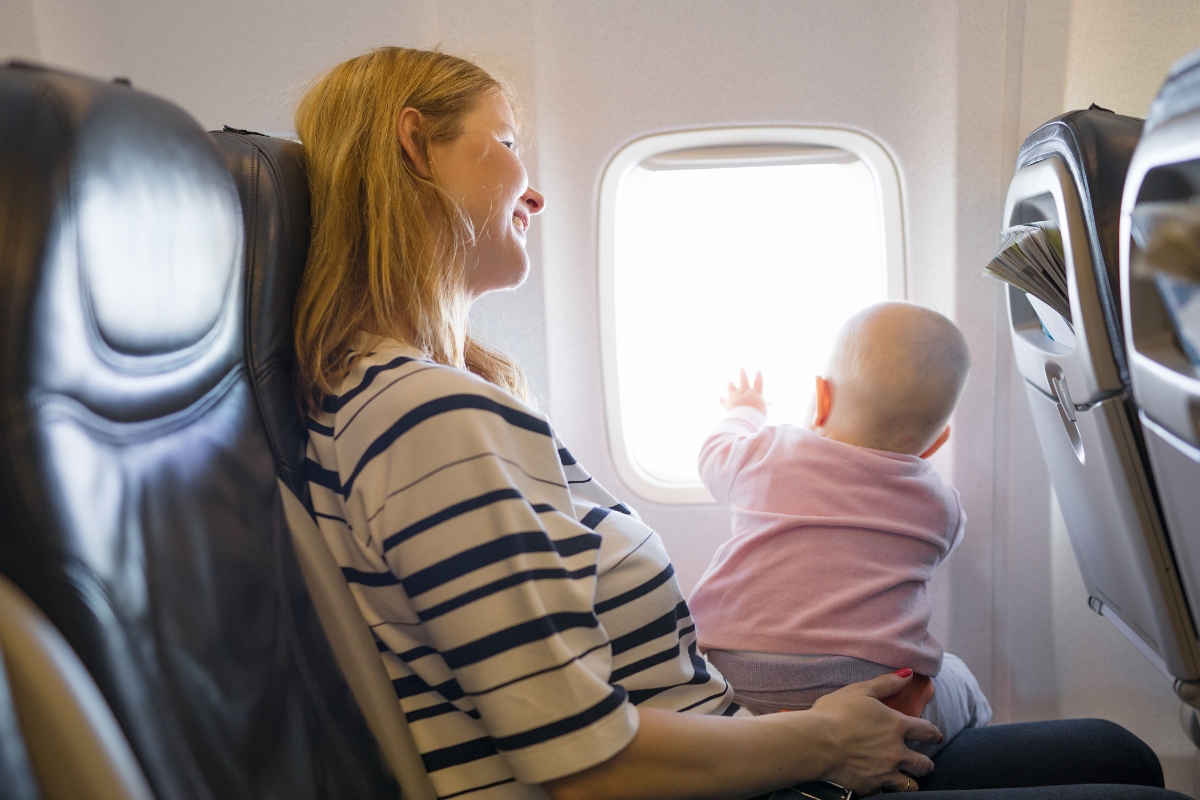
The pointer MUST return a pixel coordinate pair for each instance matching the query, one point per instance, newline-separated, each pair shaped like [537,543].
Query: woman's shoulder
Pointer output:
[389,364]
[389,381]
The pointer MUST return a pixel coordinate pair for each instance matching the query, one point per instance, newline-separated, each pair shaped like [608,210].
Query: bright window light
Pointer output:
[739,255]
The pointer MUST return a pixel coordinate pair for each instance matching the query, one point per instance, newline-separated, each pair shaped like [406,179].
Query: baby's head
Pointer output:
[896,373]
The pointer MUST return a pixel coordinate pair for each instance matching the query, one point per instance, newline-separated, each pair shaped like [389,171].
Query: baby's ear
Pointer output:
[824,402]
[937,444]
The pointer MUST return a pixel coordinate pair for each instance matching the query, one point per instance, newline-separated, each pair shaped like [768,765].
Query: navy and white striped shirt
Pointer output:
[520,610]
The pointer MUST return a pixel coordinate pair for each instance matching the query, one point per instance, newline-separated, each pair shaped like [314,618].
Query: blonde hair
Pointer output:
[388,246]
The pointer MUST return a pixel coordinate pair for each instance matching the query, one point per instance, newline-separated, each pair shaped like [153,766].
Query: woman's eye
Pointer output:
[508,143]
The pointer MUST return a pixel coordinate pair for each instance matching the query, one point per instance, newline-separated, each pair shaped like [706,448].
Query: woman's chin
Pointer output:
[522,273]
[482,280]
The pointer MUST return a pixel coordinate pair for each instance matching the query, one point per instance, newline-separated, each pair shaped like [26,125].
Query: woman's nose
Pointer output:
[534,201]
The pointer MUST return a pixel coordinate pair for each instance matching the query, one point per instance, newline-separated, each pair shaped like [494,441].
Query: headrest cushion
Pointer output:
[1180,94]
[158,225]
[1096,146]
[123,252]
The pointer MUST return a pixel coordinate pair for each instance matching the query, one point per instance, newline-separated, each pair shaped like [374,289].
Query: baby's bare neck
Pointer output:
[861,428]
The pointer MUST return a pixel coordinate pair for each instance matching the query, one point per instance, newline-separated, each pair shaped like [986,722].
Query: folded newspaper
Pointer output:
[1031,258]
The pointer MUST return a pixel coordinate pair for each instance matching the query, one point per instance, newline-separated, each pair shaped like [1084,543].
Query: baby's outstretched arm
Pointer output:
[733,442]
[745,394]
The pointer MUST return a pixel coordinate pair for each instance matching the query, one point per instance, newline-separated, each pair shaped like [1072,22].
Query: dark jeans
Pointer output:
[1070,759]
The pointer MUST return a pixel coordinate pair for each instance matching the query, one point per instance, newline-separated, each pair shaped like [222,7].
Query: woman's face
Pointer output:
[481,169]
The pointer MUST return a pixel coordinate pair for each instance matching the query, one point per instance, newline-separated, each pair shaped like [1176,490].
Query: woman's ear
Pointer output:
[406,133]
[823,404]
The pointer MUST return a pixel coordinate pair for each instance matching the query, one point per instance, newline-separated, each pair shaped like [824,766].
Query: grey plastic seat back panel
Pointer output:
[73,742]
[1177,466]
[1166,386]
[137,483]
[1070,171]
[1095,146]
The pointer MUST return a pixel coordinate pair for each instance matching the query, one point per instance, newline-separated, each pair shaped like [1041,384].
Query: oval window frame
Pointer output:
[720,147]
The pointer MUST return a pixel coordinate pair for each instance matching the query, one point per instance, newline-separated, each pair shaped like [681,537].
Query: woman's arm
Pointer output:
[848,737]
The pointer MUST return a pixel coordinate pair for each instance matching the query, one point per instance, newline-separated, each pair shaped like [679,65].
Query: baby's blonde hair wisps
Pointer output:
[388,245]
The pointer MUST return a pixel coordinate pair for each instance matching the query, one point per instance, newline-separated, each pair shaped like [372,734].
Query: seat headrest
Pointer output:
[1096,146]
[1180,94]
[270,177]
[135,242]
[139,497]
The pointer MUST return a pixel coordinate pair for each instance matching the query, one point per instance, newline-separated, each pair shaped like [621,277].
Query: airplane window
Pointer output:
[723,249]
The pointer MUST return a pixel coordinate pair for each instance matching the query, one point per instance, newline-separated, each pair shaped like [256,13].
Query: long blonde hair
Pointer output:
[376,260]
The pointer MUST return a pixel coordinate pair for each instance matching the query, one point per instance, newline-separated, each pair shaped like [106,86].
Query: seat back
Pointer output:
[269,174]
[1164,184]
[1070,172]
[66,730]
[137,483]
[16,773]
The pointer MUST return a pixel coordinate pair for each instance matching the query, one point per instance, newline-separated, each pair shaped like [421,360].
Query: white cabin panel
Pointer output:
[948,89]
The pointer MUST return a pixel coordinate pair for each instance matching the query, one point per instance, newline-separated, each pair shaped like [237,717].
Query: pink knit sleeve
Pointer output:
[728,448]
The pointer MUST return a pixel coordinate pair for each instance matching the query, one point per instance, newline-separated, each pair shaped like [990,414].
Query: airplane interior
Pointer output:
[725,184]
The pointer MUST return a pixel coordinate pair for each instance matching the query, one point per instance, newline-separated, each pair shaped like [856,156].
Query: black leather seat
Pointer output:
[269,174]
[137,482]
[273,187]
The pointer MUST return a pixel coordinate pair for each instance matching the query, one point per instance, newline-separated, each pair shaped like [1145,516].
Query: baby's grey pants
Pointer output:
[765,683]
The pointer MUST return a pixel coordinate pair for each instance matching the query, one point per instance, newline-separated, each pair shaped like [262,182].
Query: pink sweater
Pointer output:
[833,546]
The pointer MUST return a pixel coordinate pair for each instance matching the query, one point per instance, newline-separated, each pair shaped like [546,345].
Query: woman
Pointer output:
[531,624]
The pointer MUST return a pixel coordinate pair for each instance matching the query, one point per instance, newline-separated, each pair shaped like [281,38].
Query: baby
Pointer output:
[837,529]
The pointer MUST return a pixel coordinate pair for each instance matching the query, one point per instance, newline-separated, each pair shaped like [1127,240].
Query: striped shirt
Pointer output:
[521,611]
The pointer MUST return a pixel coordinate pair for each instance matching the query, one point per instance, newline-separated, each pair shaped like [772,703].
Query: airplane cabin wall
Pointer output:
[949,89]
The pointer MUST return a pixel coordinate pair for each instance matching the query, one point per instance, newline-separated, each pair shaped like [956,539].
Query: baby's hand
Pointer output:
[744,394]
[913,698]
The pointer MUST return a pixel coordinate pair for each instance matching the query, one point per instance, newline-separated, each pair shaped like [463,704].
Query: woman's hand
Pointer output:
[869,737]
[848,737]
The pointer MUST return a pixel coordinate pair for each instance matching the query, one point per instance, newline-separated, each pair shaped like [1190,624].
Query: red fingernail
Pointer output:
[904,673]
